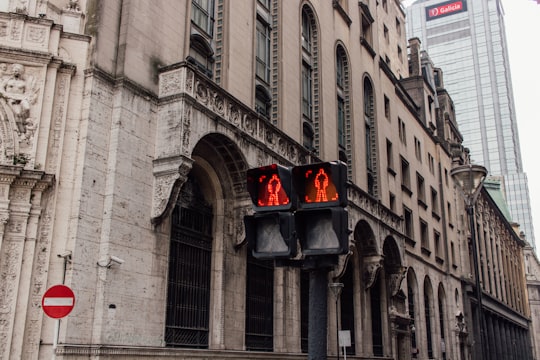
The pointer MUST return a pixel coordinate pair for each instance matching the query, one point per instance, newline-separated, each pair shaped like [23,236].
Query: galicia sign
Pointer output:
[445,9]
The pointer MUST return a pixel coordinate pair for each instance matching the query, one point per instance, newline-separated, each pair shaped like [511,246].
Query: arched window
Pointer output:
[343,107]
[369,121]
[428,313]
[347,306]
[442,306]
[309,76]
[259,305]
[410,297]
[188,288]
[376,318]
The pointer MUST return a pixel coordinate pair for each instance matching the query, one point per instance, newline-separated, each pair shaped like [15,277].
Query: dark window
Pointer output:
[259,305]
[304,310]
[201,55]
[262,101]
[202,15]
[427,309]
[306,31]
[263,51]
[347,306]
[376,319]
[188,288]
[441,323]
[408,219]
[410,296]
[341,121]
[308,137]
[307,91]
[369,121]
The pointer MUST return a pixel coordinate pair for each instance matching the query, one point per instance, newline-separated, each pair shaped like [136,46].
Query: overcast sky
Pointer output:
[522,21]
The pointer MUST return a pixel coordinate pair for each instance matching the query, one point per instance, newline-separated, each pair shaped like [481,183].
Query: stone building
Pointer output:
[127,127]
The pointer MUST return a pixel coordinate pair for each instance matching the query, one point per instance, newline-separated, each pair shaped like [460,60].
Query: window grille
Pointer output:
[188,298]
[259,305]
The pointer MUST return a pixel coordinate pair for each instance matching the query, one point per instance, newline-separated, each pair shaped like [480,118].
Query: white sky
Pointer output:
[522,21]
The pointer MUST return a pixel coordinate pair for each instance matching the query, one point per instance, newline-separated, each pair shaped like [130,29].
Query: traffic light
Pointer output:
[271,230]
[270,188]
[322,222]
[321,185]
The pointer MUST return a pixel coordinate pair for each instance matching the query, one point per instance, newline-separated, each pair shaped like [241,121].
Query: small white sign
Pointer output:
[344,338]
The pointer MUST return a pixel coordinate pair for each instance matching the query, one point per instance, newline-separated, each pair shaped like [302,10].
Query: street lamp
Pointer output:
[469,179]
[336,289]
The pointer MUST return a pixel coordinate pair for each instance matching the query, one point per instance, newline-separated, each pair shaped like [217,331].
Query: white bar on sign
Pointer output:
[58,301]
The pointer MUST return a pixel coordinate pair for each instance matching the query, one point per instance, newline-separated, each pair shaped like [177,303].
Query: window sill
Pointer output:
[406,190]
[342,12]
[367,46]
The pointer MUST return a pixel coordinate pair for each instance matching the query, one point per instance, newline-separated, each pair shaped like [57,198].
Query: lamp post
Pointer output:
[469,179]
[336,289]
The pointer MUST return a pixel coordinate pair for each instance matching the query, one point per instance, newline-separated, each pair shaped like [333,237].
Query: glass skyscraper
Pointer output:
[466,38]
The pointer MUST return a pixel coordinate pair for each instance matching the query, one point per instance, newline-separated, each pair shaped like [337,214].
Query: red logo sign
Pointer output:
[444,9]
[58,301]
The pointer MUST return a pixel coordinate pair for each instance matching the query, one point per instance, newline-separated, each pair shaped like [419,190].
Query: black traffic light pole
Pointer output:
[318,267]
[318,313]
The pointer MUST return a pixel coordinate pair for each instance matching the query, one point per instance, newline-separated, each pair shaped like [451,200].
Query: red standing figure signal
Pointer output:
[319,187]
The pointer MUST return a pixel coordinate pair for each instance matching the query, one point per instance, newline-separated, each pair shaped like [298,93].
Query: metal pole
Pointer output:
[480,311]
[318,314]
[337,328]
[55,338]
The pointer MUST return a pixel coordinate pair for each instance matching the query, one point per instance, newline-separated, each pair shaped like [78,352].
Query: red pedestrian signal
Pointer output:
[270,188]
[321,185]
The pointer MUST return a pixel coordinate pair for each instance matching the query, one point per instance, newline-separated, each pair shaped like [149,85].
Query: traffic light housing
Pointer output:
[271,188]
[322,223]
[321,185]
[271,235]
[303,203]
[271,230]
[323,231]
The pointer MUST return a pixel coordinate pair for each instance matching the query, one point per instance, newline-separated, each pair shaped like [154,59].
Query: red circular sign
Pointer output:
[58,301]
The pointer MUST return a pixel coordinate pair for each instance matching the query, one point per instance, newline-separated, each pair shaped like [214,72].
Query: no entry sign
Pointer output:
[58,301]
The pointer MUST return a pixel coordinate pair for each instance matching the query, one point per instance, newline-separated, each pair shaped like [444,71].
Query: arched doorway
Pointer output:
[188,289]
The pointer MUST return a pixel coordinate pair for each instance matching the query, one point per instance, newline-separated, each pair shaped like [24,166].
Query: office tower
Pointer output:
[466,38]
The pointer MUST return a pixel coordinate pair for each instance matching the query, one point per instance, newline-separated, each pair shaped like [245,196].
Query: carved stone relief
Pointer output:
[372,266]
[395,280]
[18,94]
[167,172]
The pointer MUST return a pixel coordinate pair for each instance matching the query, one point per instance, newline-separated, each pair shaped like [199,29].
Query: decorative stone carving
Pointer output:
[372,267]
[395,280]
[73,6]
[170,83]
[18,93]
[167,173]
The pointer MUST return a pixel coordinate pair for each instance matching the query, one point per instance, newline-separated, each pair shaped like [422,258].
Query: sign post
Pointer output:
[57,302]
